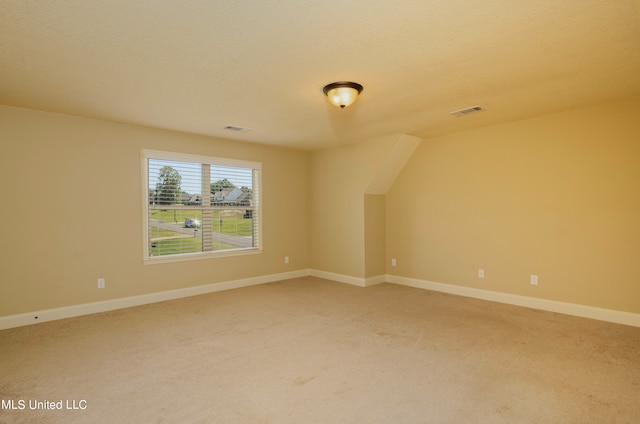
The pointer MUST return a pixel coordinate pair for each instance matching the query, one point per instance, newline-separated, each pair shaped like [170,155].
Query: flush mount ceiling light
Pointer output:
[342,93]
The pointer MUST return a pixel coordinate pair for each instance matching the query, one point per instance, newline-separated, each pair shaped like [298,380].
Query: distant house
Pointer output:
[194,199]
[233,196]
[245,199]
[227,196]
[184,198]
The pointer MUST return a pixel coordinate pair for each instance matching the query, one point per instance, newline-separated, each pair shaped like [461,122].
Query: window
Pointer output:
[197,207]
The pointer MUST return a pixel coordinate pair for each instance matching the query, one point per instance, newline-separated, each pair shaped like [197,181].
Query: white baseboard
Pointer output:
[619,317]
[341,278]
[29,318]
[372,281]
[610,315]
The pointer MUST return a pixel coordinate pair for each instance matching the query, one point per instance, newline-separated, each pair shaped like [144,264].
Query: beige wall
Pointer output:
[71,211]
[339,179]
[557,196]
[374,233]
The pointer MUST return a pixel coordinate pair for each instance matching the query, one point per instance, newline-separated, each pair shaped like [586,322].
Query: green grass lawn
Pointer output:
[168,242]
[182,243]
[175,215]
[176,246]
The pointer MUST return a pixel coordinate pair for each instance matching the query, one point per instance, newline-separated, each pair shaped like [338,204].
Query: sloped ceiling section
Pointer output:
[198,66]
[400,153]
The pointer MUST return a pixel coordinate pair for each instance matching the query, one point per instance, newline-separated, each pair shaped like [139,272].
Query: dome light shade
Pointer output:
[343,93]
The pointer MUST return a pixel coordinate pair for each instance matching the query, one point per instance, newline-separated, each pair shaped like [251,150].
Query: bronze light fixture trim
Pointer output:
[342,93]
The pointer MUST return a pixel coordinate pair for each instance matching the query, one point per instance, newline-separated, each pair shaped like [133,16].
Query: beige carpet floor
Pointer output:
[313,351]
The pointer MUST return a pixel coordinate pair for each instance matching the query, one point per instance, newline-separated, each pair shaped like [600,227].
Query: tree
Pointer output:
[221,184]
[245,189]
[153,196]
[168,186]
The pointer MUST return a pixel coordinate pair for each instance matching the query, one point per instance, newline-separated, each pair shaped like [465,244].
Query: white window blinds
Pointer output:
[200,206]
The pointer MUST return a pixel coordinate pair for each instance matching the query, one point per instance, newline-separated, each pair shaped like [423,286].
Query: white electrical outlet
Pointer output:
[101,283]
[286,259]
[480,273]
[534,280]
[394,262]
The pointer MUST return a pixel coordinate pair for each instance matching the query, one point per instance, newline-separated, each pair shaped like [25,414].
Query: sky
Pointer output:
[191,174]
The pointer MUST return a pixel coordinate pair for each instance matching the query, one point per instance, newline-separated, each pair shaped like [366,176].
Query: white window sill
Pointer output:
[200,256]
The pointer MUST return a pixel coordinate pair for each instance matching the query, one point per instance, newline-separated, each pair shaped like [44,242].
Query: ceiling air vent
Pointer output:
[236,129]
[466,111]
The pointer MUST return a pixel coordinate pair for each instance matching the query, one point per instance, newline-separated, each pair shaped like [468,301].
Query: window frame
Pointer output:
[201,159]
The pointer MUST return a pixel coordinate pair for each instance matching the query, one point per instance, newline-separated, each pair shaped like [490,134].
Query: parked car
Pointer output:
[191,223]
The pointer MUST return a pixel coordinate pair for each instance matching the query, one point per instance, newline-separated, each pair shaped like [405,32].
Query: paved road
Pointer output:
[238,241]
[178,228]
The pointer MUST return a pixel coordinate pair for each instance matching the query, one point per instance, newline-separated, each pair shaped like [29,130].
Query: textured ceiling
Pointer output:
[198,66]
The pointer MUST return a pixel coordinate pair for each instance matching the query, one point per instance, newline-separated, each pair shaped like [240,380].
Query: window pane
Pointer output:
[239,177]
[174,231]
[202,205]
[232,197]
[175,183]
[232,229]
